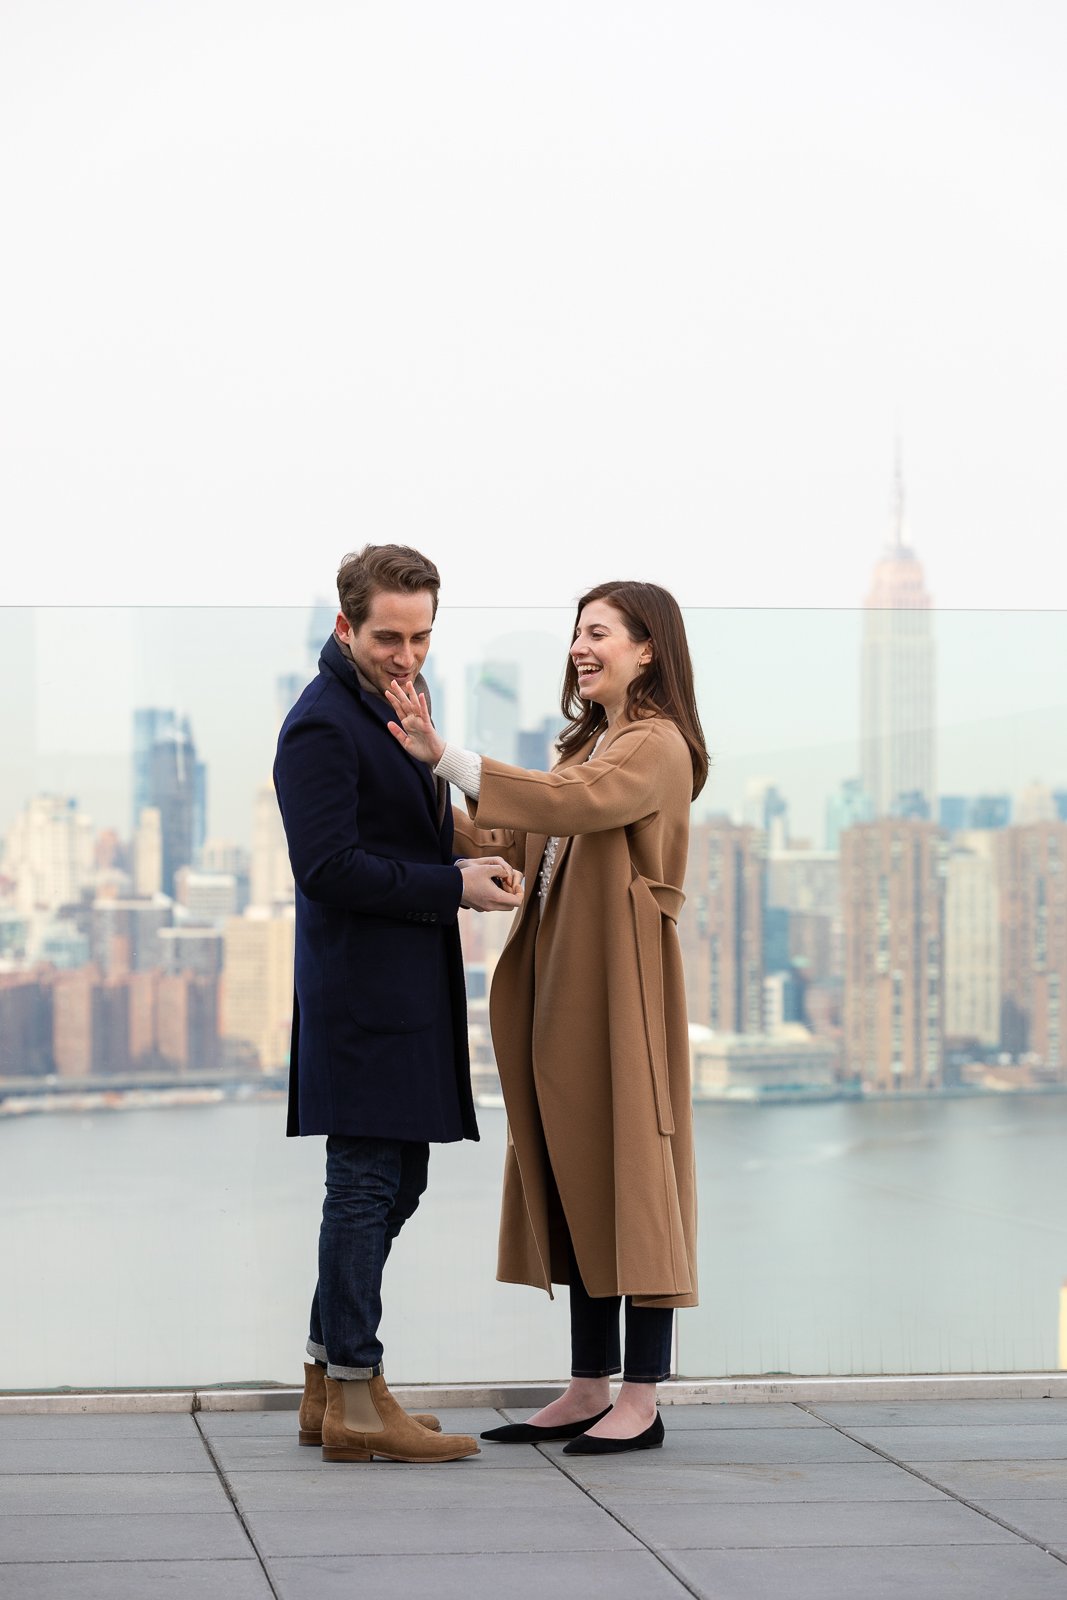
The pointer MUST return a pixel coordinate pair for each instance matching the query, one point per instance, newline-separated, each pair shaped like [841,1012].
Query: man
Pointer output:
[379,1058]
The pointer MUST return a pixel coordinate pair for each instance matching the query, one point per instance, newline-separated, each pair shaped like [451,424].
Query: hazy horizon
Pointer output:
[778,692]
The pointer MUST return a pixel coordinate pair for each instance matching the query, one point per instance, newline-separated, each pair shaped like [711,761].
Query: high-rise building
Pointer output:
[222,855]
[257,988]
[1031,863]
[953,812]
[321,619]
[168,777]
[195,950]
[48,853]
[123,934]
[148,852]
[271,874]
[207,896]
[493,709]
[175,788]
[91,1024]
[766,808]
[188,1032]
[897,708]
[721,926]
[972,943]
[150,724]
[25,1025]
[1037,803]
[892,892]
[536,747]
[990,811]
[288,687]
[804,889]
[851,804]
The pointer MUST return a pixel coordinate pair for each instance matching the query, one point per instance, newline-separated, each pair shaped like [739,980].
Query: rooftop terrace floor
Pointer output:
[933,1499]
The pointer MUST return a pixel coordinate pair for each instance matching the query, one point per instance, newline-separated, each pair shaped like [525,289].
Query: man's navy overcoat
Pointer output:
[379,1016]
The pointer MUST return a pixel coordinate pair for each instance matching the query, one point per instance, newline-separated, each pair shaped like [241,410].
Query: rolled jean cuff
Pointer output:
[601,1372]
[317,1352]
[640,1377]
[346,1374]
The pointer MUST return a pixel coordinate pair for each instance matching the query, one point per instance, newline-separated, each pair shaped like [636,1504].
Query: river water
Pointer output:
[177,1247]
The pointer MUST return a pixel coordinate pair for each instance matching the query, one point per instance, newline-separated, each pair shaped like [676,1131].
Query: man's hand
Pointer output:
[489,884]
[413,728]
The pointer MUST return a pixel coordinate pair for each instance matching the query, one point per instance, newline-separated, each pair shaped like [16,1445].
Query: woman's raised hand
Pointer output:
[413,728]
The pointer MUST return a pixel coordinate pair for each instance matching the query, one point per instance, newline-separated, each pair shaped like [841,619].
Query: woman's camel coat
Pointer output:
[588,1018]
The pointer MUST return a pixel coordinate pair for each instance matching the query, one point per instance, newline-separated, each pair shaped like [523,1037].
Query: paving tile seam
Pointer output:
[909,1467]
[122,1561]
[657,1555]
[98,1516]
[231,1497]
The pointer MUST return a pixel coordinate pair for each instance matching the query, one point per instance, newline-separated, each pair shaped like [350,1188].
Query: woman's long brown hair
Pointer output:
[664,688]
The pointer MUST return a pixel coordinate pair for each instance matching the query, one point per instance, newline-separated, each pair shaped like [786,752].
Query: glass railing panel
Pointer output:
[878,1125]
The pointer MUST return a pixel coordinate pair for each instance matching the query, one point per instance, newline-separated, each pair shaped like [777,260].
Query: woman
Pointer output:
[588,1005]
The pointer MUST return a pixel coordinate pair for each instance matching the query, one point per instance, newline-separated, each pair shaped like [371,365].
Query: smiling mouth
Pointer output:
[587,672]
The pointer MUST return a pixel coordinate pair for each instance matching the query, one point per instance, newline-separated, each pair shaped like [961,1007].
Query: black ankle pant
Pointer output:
[595,1336]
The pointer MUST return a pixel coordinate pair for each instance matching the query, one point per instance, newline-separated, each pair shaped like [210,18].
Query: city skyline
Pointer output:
[779,697]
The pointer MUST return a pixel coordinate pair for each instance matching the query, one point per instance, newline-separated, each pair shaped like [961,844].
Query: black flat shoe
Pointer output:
[651,1439]
[529,1433]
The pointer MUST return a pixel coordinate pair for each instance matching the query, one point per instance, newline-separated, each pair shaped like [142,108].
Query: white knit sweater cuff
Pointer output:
[463,768]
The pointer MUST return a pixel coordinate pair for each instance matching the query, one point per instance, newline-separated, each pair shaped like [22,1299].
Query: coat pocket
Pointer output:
[649,903]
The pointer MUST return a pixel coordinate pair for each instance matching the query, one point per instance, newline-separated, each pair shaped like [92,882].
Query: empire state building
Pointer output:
[897,716]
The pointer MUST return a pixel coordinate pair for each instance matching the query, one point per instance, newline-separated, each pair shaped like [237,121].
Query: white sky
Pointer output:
[558,292]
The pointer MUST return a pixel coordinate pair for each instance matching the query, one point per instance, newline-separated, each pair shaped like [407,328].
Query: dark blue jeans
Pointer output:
[595,1336]
[372,1187]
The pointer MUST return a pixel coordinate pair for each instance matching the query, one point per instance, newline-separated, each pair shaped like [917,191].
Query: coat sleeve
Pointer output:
[470,840]
[620,786]
[316,778]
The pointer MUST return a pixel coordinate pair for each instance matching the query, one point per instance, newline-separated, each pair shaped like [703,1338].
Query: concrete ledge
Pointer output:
[679,1391]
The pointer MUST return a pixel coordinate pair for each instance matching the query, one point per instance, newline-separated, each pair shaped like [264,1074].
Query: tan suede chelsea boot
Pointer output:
[313,1407]
[363,1420]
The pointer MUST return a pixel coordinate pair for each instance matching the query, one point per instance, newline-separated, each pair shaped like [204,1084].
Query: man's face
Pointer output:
[394,638]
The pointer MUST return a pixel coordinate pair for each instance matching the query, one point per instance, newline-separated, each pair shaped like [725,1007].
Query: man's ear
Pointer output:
[342,627]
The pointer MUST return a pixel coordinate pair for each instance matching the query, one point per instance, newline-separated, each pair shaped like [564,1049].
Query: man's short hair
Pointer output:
[395,568]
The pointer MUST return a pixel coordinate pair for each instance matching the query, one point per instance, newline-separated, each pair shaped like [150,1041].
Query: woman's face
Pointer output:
[606,658]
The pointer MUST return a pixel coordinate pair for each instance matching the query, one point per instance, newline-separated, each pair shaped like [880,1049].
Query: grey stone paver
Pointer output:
[1005,1480]
[135,1580]
[938,1413]
[739,1416]
[840,1523]
[141,1536]
[98,1425]
[562,1575]
[742,1503]
[413,1489]
[633,1480]
[444,1529]
[969,1442]
[98,1493]
[945,1572]
[121,1454]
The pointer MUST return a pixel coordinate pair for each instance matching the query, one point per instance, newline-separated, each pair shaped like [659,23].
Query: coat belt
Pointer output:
[651,902]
